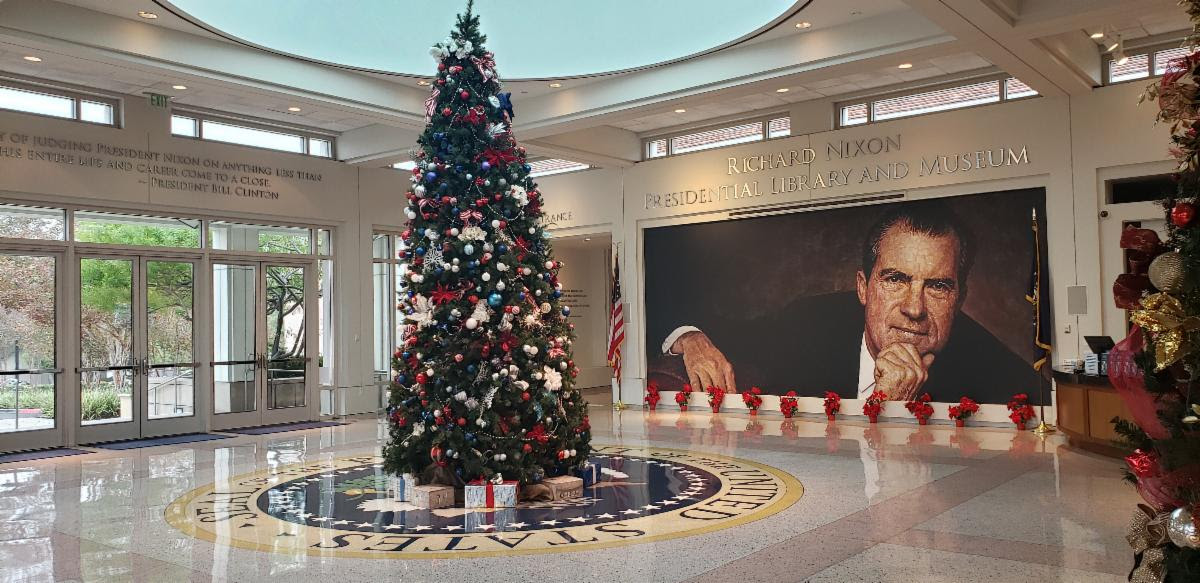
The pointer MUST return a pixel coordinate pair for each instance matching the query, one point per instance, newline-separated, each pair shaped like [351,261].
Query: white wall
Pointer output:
[1071,146]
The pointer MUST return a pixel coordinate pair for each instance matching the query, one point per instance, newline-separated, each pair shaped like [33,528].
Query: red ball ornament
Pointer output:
[435,453]
[503,224]
[1183,213]
[525,396]
[441,81]
[446,111]
[461,421]
[464,94]
[526,448]
[441,66]
[421,378]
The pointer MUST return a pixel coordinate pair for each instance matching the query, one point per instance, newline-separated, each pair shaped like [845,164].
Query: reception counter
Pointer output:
[1086,405]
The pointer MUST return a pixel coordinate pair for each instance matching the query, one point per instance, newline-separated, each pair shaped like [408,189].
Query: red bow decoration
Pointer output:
[471,216]
[497,158]
[431,104]
[474,115]
[523,245]
[441,295]
[538,434]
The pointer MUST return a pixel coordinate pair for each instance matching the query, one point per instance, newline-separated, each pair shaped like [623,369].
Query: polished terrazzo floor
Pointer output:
[889,502]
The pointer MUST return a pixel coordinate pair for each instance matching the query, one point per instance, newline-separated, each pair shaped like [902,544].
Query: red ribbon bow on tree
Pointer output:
[497,158]
[431,104]
[471,216]
[486,65]
[538,434]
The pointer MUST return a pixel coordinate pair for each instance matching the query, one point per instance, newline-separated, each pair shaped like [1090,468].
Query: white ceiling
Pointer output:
[852,48]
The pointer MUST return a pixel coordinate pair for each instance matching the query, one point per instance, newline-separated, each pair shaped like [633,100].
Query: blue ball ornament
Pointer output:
[494,300]
[444,186]
[566,310]
[405,355]
[485,166]
[402,379]
[556,294]
[419,250]
[470,436]
[430,176]
[471,368]
[502,249]
[528,167]
[521,295]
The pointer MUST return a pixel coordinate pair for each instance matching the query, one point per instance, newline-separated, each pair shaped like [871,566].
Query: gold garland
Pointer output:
[1163,316]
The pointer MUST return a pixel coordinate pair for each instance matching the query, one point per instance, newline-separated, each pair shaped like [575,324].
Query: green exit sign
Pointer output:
[157,100]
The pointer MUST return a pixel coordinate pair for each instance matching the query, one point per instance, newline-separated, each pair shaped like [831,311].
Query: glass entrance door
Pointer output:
[261,333]
[29,373]
[137,348]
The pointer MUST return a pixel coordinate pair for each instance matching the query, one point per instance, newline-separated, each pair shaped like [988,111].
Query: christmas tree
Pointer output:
[485,380]
[1156,368]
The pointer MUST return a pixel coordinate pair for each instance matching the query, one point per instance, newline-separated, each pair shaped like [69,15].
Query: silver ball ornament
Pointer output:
[1182,529]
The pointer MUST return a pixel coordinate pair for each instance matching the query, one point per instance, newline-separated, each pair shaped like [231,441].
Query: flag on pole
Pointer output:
[1041,336]
[616,321]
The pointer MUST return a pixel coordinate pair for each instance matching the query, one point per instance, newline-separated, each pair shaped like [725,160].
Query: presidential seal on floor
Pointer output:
[342,508]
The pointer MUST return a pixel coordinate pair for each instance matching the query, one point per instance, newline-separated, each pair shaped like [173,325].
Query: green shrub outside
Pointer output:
[101,402]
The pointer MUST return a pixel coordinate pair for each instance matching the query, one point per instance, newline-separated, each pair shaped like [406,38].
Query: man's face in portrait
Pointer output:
[912,293]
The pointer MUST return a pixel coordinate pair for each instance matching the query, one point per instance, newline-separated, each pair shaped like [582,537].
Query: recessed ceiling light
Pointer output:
[1113,46]
[681,110]
[904,66]
[555,85]
[1098,35]
[179,87]
[782,90]
[32,59]
[422,82]
[803,24]
[293,108]
[147,15]
[1123,60]
[587,238]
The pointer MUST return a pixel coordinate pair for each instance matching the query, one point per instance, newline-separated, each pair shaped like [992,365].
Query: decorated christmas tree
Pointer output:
[485,380]
[1156,368]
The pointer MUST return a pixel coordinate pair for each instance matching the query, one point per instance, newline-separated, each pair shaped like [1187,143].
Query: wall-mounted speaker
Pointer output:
[1077,300]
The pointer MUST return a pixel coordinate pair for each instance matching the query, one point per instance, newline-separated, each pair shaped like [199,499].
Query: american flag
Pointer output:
[616,321]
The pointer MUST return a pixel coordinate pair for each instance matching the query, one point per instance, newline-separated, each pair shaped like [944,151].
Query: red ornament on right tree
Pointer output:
[1183,213]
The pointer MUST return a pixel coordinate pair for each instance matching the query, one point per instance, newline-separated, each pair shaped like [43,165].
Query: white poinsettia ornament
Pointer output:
[552,378]
[422,314]
[520,195]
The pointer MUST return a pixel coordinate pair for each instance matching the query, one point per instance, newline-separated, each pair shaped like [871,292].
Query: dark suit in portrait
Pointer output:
[813,345]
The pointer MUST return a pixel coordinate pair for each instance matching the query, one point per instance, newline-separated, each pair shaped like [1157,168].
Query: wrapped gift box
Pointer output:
[485,494]
[401,487]
[589,473]
[498,518]
[433,496]
[611,475]
[565,487]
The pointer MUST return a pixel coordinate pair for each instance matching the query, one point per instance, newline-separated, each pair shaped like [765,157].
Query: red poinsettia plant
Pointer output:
[833,404]
[716,396]
[787,404]
[874,405]
[681,398]
[963,410]
[920,408]
[753,399]
[652,396]
[1020,411]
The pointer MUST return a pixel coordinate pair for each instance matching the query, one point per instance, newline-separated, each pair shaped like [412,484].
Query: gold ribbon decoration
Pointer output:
[1147,535]
[1162,316]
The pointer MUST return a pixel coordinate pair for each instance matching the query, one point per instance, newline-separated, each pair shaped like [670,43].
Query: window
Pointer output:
[94,227]
[551,166]
[1163,58]
[27,222]
[205,127]
[387,279]
[265,239]
[55,103]
[1140,63]
[706,139]
[966,94]
[1133,67]
[1142,189]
